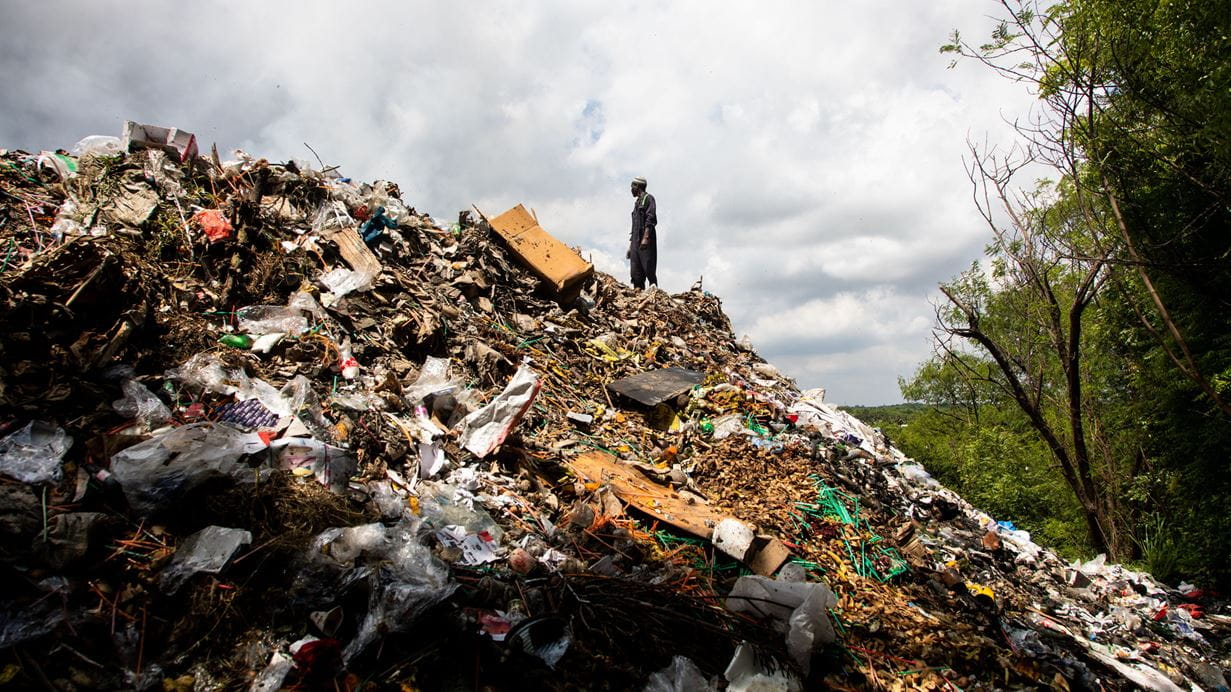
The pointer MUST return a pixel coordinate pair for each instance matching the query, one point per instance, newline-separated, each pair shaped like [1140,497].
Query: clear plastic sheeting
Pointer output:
[159,470]
[486,429]
[208,550]
[681,676]
[433,380]
[33,454]
[19,624]
[443,505]
[294,318]
[140,403]
[98,145]
[206,371]
[798,608]
[331,466]
[404,578]
[750,672]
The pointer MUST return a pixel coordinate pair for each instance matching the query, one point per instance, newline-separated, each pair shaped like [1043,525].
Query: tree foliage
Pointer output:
[1096,326]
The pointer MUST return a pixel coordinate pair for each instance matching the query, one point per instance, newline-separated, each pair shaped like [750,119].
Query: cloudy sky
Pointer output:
[806,156]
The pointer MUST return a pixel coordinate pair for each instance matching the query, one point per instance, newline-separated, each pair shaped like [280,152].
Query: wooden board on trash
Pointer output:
[550,259]
[357,254]
[656,500]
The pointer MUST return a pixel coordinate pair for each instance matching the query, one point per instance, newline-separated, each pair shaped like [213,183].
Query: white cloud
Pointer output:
[806,156]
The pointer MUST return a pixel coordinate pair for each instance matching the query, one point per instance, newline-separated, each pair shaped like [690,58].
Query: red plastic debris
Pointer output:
[319,659]
[1193,609]
[214,224]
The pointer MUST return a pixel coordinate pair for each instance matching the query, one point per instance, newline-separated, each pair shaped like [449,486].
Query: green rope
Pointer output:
[8,256]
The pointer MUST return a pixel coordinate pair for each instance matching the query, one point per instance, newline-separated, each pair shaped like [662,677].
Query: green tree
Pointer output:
[1134,118]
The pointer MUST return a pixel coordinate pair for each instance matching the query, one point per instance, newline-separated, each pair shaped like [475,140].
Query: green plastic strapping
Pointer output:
[8,255]
[670,539]
[834,503]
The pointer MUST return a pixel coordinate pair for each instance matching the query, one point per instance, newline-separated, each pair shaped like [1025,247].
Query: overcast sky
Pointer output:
[806,156]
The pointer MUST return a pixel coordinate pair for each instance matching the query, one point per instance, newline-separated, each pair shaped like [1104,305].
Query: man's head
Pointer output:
[637,186]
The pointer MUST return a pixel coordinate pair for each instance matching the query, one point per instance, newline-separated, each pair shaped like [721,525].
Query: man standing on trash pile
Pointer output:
[643,240]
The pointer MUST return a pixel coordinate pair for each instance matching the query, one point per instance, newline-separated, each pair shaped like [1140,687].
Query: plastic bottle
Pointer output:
[347,362]
[236,340]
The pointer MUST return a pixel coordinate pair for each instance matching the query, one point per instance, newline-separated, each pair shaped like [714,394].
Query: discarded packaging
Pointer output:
[554,262]
[33,454]
[206,551]
[486,429]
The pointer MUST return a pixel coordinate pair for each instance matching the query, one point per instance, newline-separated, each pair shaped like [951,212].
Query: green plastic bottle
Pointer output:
[236,340]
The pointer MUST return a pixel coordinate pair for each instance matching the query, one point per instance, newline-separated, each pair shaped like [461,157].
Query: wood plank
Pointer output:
[658,501]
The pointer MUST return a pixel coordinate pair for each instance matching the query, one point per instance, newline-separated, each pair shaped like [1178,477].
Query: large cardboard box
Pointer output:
[553,261]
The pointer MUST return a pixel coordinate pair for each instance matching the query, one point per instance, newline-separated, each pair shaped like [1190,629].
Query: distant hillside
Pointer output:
[888,415]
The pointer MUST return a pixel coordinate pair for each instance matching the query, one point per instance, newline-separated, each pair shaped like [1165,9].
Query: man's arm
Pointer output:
[651,219]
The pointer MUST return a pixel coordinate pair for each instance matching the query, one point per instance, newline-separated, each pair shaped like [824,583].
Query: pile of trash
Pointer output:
[265,426]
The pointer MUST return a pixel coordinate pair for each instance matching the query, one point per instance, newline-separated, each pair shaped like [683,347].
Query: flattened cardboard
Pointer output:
[550,259]
[770,557]
[655,387]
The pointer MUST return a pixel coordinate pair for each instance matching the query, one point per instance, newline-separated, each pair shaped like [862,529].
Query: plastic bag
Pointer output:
[546,637]
[332,216]
[342,281]
[681,676]
[206,371]
[68,220]
[433,379]
[332,466]
[405,578]
[161,469]
[213,224]
[141,403]
[442,504]
[98,145]
[20,623]
[748,673]
[797,608]
[208,550]
[486,429]
[268,319]
[33,454]
[274,674]
[727,425]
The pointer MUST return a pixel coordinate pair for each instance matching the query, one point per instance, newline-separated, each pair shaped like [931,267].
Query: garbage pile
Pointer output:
[263,426]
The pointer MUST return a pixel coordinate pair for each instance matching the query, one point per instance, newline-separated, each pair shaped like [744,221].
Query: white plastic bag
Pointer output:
[141,403]
[33,454]
[798,608]
[208,550]
[98,145]
[158,471]
[681,676]
[485,430]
